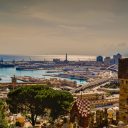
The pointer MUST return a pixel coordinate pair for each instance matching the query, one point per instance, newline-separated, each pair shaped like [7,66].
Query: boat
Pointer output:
[25,68]
[53,71]
[6,65]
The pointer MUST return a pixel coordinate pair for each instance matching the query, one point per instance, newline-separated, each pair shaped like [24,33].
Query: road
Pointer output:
[91,85]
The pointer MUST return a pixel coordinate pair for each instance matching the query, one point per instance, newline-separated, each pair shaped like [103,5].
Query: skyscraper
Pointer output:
[116,58]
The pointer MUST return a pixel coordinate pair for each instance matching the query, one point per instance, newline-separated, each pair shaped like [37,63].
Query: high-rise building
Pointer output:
[107,60]
[123,99]
[99,59]
[116,58]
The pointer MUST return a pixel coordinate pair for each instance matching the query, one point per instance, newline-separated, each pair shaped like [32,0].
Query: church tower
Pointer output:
[123,99]
[13,81]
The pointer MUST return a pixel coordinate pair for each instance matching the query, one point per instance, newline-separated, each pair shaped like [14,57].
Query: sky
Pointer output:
[77,27]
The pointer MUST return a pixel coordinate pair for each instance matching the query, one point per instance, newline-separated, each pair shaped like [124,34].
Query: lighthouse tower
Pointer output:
[66,58]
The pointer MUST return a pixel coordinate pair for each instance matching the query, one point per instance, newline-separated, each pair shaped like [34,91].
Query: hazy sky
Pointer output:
[88,27]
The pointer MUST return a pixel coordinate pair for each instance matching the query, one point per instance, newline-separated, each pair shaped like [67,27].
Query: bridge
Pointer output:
[113,67]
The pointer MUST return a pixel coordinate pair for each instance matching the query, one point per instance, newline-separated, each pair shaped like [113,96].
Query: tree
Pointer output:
[3,123]
[35,99]
[57,101]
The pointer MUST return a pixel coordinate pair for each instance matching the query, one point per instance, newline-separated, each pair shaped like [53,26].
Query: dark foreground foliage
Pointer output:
[3,123]
[36,99]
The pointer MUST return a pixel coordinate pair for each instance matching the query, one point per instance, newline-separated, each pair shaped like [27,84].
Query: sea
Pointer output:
[47,57]
[7,73]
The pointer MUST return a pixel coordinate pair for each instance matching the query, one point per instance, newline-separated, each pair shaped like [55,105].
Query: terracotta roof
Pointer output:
[83,106]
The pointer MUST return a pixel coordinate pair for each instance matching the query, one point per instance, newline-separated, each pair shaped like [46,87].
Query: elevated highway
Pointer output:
[91,85]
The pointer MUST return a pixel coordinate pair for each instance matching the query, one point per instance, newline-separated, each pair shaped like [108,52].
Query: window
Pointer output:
[122,82]
[127,100]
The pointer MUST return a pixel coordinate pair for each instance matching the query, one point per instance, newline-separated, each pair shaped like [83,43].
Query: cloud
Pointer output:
[60,26]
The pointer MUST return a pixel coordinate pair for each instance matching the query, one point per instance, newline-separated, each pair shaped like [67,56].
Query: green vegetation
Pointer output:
[3,123]
[35,100]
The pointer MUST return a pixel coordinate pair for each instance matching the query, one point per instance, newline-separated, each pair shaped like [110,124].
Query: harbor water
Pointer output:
[7,73]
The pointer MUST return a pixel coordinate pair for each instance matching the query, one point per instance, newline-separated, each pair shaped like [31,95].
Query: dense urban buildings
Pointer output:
[93,85]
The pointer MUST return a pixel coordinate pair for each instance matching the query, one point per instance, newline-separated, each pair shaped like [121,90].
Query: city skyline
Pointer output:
[83,27]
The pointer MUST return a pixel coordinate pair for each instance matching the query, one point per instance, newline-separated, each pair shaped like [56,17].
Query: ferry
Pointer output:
[24,68]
